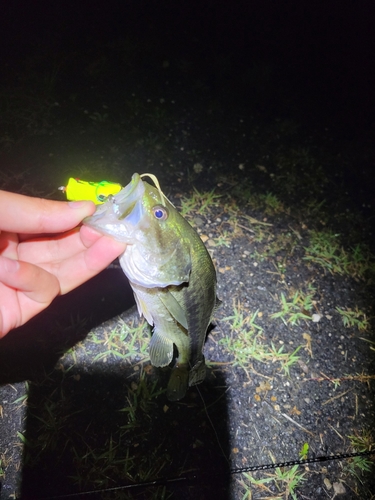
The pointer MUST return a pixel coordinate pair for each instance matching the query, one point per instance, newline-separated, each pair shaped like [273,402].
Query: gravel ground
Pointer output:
[280,187]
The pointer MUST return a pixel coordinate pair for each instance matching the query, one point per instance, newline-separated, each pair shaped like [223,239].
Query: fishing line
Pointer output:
[157,185]
[212,424]
[203,477]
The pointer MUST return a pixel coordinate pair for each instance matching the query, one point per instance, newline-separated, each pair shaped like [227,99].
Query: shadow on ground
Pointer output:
[113,429]
[94,426]
[37,345]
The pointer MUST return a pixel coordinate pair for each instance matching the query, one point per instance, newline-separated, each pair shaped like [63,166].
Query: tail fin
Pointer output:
[178,382]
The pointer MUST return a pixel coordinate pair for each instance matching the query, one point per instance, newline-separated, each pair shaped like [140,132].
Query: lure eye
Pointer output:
[160,212]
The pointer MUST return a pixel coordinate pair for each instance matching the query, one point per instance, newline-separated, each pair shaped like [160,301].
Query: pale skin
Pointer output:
[44,254]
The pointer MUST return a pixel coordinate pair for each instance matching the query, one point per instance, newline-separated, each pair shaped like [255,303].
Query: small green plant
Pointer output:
[23,438]
[354,318]
[299,308]
[314,208]
[249,482]
[284,242]
[272,204]
[98,458]
[200,202]
[362,441]
[357,466]
[289,480]
[124,342]
[268,203]
[224,239]
[286,482]
[325,249]
[244,343]
[304,451]
[140,397]
[286,359]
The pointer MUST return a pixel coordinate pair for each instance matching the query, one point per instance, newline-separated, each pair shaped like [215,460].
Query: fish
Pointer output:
[171,273]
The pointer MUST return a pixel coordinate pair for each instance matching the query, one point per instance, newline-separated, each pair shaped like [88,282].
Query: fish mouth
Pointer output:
[119,212]
[124,201]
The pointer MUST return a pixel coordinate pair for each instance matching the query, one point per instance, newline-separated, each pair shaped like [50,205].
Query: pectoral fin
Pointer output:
[174,308]
[160,349]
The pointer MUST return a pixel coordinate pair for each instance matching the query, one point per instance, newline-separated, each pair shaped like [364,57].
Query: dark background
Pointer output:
[307,61]
[320,53]
[311,63]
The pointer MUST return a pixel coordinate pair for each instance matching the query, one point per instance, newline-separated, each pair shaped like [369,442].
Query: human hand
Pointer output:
[43,254]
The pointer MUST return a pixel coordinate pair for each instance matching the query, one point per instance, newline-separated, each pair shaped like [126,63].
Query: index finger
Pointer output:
[25,214]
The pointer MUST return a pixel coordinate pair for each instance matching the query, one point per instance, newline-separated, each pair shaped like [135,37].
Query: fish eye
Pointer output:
[160,212]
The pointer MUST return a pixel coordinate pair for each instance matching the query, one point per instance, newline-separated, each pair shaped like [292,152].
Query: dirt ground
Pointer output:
[279,184]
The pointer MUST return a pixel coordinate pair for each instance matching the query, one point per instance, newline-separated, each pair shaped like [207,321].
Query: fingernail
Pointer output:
[11,265]
[77,204]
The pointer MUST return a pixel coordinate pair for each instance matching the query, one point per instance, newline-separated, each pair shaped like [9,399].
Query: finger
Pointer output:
[89,235]
[51,249]
[24,214]
[36,283]
[81,267]
[9,245]
[62,247]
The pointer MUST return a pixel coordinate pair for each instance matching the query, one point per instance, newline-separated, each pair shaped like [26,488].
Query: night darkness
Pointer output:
[267,110]
[320,53]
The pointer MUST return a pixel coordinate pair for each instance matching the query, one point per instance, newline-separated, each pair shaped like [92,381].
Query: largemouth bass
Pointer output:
[171,274]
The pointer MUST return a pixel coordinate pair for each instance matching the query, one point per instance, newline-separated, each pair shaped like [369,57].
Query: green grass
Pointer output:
[240,223]
[272,204]
[326,250]
[286,482]
[124,342]
[289,480]
[304,451]
[199,202]
[358,466]
[245,343]
[140,398]
[99,460]
[2,466]
[98,465]
[298,308]
[283,242]
[356,318]
[294,173]
[224,239]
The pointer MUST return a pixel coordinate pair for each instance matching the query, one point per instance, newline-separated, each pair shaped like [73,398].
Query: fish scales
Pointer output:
[171,274]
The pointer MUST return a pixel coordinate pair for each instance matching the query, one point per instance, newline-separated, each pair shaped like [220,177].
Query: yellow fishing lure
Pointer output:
[76,190]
